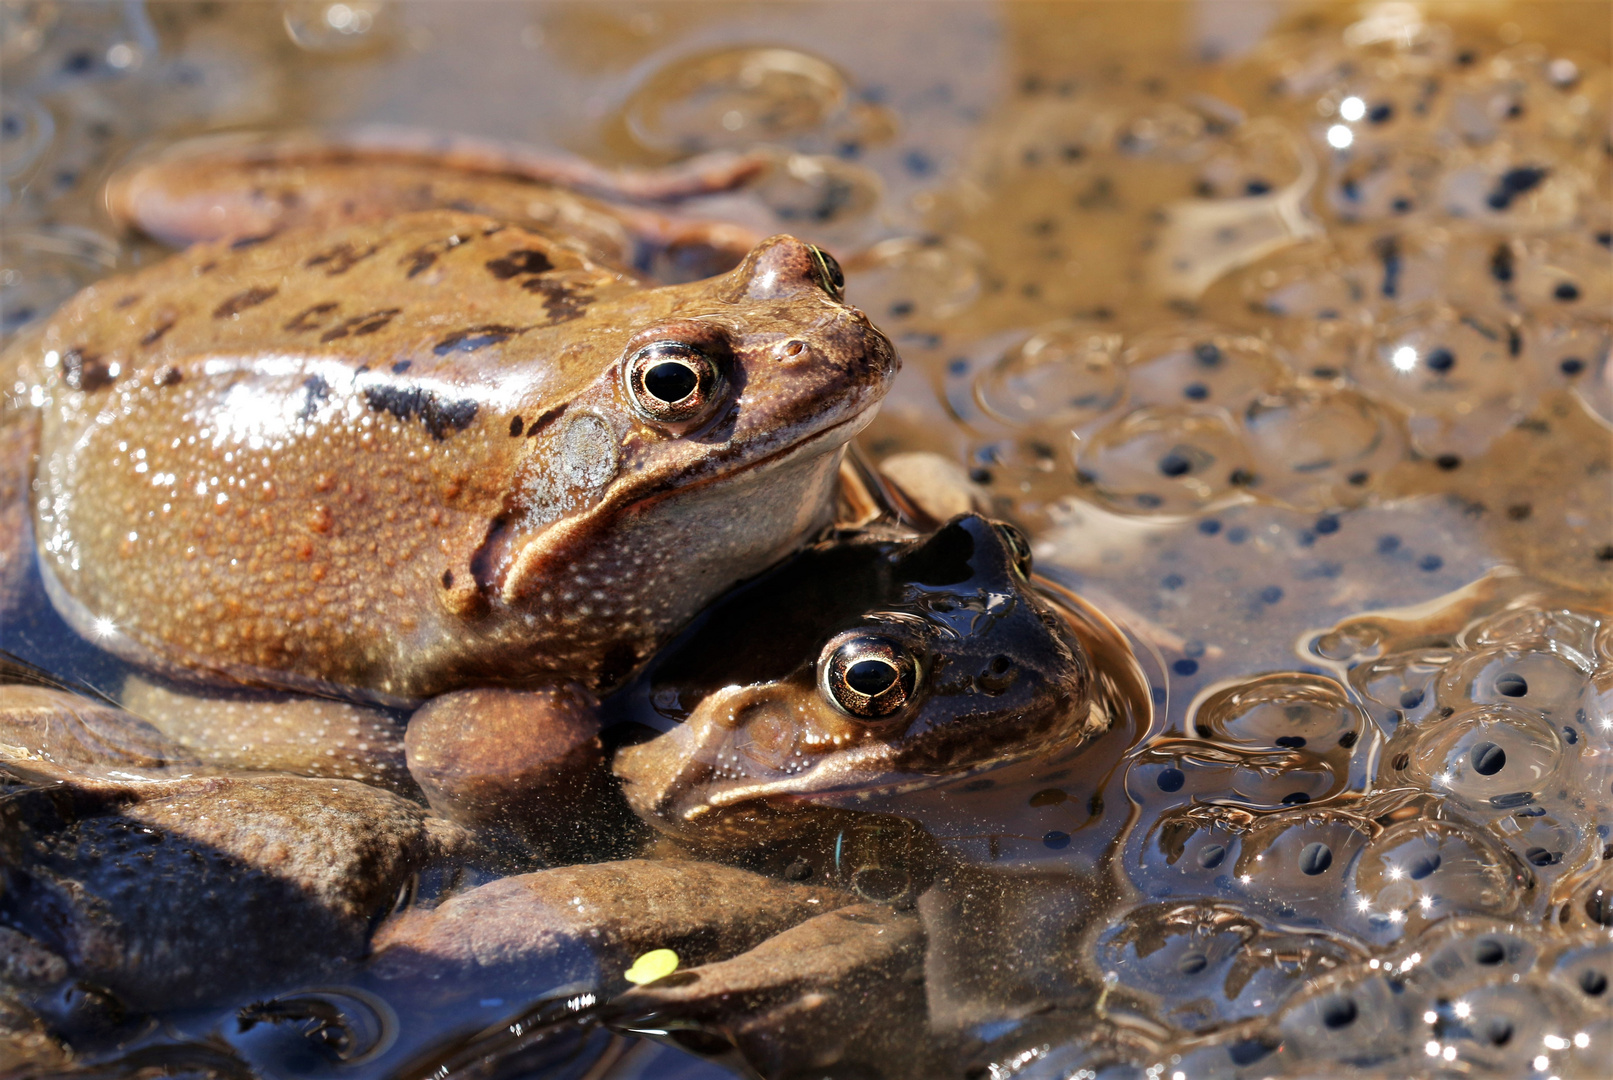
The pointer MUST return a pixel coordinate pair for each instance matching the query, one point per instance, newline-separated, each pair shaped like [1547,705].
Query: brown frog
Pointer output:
[864,667]
[398,454]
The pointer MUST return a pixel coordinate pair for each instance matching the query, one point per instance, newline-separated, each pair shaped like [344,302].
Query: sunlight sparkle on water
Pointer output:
[1339,136]
[1404,359]
[105,627]
[1351,108]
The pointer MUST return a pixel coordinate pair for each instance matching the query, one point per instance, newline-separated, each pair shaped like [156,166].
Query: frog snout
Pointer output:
[782,266]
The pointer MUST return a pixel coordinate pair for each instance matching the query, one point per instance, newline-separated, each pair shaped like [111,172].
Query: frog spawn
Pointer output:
[1453,874]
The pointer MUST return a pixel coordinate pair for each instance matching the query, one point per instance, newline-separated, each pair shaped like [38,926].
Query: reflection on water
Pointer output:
[1284,332]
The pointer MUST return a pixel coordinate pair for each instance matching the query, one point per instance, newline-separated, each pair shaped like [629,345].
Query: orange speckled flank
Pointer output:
[397,457]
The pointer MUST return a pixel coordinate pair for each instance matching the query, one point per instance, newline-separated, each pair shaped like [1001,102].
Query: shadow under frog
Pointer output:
[406,454]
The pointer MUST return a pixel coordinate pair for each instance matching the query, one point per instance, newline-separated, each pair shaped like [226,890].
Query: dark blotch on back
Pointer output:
[341,258]
[519,262]
[439,414]
[85,371]
[359,325]
[250,241]
[560,303]
[308,319]
[156,333]
[243,300]
[475,337]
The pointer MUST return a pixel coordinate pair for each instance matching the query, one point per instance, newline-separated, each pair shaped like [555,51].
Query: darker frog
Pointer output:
[867,666]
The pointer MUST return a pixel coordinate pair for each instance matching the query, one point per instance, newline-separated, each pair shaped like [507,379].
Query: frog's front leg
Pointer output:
[214,187]
[519,765]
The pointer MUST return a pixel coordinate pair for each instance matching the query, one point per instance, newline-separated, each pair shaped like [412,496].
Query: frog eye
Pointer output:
[672,382]
[867,676]
[1019,548]
[834,278]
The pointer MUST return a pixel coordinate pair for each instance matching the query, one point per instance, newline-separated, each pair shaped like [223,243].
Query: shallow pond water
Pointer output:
[1282,330]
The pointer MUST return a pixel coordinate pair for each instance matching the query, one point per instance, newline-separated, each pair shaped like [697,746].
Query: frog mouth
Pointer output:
[852,777]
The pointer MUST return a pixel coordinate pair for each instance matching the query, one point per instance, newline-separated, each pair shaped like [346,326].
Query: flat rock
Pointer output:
[55,734]
[841,994]
[172,892]
[587,925]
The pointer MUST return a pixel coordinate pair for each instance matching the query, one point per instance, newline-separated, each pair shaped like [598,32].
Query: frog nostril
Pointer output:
[1000,664]
[793,350]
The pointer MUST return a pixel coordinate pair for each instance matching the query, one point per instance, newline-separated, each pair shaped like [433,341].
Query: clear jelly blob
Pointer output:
[1499,1029]
[1463,953]
[1539,681]
[1417,872]
[1179,771]
[1513,186]
[1455,372]
[45,267]
[734,98]
[1064,375]
[914,279]
[1164,460]
[1489,756]
[1360,1017]
[1255,161]
[1401,687]
[1379,183]
[1191,851]
[26,128]
[1565,275]
[815,191]
[1585,972]
[1208,964]
[1319,447]
[1569,633]
[1295,865]
[1211,368]
[1289,710]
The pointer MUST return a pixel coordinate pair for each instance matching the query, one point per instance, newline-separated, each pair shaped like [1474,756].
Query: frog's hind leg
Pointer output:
[250,187]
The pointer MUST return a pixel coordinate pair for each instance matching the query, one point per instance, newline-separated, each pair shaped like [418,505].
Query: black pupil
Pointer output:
[671,381]
[870,677]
